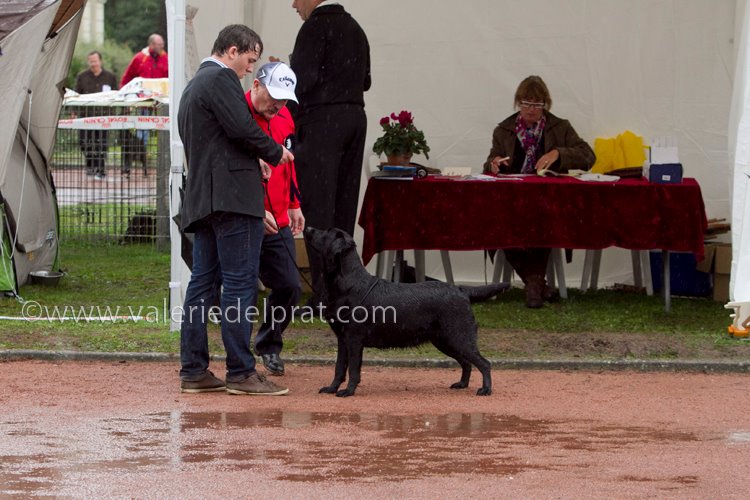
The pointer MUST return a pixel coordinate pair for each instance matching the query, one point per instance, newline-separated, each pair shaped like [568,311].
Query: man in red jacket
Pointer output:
[273,86]
[151,62]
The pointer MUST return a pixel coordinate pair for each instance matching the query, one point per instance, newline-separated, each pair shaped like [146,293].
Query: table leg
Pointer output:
[666,280]
[646,266]
[398,258]
[635,257]
[380,263]
[447,266]
[419,265]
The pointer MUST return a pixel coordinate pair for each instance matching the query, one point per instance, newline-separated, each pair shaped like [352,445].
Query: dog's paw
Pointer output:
[484,391]
[345,393]
[329,389]
[459,385]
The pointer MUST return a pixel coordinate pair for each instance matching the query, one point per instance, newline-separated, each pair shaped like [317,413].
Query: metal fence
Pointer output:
[112,184]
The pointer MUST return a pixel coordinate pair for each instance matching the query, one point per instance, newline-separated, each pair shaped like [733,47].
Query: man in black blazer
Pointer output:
[223,207]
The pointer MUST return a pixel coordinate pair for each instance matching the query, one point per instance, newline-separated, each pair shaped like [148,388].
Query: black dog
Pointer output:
[365,311]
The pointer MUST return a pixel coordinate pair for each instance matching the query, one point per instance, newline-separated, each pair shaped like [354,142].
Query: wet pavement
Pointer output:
[124,430]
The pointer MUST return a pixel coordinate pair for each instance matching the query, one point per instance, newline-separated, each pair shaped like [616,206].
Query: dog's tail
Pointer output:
[482,293]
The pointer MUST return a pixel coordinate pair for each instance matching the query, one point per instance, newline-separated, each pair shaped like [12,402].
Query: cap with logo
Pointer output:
[279,79]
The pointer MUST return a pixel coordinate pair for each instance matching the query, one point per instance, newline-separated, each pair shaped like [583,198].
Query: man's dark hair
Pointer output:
[240,36]
[95,52]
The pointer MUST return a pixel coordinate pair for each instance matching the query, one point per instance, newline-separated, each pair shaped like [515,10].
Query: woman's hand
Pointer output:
[547,159]
[497,161]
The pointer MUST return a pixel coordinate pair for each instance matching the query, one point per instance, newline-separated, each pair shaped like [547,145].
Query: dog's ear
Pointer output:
[339,246]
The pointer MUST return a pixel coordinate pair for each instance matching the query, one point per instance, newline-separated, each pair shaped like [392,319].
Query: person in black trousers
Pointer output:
[223,207]
[331,59]
[94,143]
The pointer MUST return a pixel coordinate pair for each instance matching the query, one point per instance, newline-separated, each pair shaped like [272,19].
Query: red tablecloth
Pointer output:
[435,213]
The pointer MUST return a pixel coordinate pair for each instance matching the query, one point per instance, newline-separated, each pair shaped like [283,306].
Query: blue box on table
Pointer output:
[684,278]
[665,173]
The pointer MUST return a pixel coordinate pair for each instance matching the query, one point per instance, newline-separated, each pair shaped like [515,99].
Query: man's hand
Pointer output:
[286,156]
[265,170]
[269,224]
[296,221]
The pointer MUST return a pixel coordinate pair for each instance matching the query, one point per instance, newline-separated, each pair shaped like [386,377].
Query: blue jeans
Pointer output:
[229,244]
[278,271]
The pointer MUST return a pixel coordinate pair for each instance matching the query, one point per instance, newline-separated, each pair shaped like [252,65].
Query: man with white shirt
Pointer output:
[223,207]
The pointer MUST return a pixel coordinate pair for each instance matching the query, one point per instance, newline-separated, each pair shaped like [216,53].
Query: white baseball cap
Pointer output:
[279,79]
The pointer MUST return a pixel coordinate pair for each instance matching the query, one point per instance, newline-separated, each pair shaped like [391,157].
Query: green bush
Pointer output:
[115,58]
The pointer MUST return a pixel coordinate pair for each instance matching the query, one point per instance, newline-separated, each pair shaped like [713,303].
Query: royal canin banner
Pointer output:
[116,123]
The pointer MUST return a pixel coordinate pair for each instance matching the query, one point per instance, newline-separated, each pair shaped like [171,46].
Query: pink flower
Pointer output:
[384,121]
[404,118]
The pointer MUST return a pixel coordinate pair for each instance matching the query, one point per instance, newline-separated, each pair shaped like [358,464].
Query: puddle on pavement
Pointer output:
[739,437]
[310,447]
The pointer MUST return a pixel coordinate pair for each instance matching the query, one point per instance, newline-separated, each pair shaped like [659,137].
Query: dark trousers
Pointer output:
[529,263]
[94,146]
[328,158]
[227,250]
[278,271]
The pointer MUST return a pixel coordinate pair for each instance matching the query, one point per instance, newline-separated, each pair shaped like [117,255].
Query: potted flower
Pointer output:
[400,139]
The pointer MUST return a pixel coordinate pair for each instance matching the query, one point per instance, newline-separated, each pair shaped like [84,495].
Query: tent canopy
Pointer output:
[37,39]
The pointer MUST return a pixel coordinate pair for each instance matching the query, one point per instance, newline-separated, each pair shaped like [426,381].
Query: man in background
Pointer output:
[94,143]
[151,62]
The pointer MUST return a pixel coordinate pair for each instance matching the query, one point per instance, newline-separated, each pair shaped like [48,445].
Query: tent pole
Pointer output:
[179,274]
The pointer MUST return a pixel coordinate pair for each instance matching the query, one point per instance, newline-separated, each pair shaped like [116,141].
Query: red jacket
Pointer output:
[282,186]
[146,66]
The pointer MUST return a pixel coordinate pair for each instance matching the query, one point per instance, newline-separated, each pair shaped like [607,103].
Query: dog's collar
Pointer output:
[369,289]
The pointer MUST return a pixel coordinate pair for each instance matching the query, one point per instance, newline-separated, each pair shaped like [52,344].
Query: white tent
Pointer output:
[37,39]
[656,67]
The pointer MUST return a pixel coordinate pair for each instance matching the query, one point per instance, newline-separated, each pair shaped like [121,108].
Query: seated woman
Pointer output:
[529,140]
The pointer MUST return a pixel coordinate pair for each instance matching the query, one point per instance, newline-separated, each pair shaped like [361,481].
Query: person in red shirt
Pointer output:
[273,86]
[151,62]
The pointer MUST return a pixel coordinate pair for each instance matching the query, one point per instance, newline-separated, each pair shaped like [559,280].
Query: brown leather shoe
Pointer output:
[207,383]
[534,290]
[256,385]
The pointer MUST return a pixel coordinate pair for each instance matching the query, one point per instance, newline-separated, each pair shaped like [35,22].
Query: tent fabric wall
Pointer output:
[34,63]
[656,67]
[739,148]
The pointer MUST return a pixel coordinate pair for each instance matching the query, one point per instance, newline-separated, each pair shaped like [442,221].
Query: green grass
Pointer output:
[596,324]
[105,220]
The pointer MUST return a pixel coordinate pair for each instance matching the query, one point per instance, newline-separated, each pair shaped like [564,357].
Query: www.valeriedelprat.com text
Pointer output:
[35,311]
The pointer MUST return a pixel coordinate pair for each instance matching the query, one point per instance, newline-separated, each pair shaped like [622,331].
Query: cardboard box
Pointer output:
[306,273]
[301,252]
[722,270]
[723,258]
[721,287]
[718,262]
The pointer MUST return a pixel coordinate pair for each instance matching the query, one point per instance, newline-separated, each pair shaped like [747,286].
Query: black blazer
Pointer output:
[331,59]
[222,145]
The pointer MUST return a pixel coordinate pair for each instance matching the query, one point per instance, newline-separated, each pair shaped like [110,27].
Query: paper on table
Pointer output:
[478,177]
[592,177]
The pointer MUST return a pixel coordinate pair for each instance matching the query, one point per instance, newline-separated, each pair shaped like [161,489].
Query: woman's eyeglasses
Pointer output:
[531,105]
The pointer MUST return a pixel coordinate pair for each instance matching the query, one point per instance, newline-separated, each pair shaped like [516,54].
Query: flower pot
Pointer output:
[399,159]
